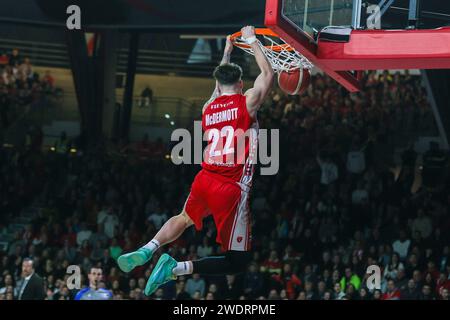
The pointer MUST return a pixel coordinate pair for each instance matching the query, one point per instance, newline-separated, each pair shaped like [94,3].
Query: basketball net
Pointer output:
[281,55]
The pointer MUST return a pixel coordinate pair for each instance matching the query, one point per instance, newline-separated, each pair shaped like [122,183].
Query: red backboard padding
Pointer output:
[389,49]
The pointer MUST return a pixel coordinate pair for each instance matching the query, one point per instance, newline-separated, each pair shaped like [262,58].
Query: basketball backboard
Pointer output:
[345,37]
[312,16]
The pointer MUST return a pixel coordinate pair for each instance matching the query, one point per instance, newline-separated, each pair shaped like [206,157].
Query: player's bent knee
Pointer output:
[187,220]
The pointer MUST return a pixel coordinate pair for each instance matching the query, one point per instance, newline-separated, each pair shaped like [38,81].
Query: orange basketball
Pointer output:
[294,82]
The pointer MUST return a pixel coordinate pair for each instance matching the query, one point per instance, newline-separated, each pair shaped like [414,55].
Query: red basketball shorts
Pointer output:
[211,194]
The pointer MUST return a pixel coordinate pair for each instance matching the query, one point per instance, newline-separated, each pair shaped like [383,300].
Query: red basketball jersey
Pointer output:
[232,138]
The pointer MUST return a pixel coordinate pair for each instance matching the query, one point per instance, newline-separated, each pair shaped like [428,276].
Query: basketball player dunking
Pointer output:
[220,188]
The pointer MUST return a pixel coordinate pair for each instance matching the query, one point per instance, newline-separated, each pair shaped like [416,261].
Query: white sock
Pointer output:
[182,268]
[153,245]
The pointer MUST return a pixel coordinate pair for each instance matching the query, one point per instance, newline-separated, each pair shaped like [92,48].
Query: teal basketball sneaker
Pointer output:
[161,274]
[129,261]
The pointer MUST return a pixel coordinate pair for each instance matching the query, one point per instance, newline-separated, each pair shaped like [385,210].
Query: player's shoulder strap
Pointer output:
[211,100]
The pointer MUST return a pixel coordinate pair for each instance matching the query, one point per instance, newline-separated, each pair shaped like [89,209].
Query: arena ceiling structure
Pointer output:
[146,15]
[177,16]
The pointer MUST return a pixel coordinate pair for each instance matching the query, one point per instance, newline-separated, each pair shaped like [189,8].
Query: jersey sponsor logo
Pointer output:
[239,239]
[221,105]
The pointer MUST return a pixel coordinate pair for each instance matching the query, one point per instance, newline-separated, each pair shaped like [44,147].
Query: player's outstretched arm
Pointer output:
[225,59]
[227,51]
[263,83]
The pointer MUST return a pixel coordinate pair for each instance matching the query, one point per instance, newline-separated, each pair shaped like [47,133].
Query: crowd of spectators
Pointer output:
[335,208]
[20,85]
